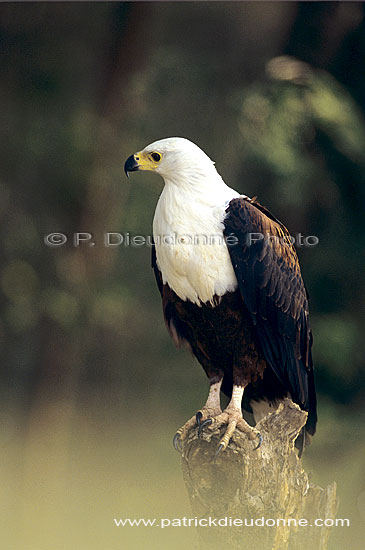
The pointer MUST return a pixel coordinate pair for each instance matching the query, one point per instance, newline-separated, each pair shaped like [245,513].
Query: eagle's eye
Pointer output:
[156,157]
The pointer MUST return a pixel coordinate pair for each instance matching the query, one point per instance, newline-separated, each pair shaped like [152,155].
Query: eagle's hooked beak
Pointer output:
[131,165]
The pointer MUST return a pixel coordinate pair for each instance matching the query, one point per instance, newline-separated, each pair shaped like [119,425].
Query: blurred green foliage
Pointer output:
[80,96]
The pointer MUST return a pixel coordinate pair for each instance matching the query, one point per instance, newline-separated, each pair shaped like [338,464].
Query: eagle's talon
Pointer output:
[203,424]
[221,448]
[177,442]
[199,416]
[183,432]
[259,436]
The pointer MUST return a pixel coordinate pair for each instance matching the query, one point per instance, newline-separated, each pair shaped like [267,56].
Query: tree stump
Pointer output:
[256,486]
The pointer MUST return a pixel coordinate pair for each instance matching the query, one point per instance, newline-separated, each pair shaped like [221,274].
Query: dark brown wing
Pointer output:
[269,278]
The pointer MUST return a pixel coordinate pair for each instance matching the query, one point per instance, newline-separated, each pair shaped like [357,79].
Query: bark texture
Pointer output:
[246,484]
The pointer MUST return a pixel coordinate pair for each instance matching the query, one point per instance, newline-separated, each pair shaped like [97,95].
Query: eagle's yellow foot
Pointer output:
[234,420]
[202,418]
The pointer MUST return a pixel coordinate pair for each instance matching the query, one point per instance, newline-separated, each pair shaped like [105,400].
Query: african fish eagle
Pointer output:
[238,302]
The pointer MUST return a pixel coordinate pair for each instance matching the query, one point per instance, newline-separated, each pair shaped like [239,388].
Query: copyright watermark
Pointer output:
[231,522]
[112,239]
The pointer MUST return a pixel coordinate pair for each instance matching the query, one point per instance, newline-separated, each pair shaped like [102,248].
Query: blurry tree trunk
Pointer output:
[268,483]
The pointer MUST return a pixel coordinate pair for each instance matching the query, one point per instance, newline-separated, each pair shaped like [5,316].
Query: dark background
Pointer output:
[92,388]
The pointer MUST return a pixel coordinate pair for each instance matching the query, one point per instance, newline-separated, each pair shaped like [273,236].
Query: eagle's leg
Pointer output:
[232,416]
[204,416]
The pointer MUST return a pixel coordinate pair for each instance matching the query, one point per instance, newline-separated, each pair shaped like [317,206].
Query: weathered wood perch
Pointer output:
[267,483]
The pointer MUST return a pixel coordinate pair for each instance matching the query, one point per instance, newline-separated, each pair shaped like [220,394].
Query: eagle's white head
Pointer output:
[192,205]
[176,159]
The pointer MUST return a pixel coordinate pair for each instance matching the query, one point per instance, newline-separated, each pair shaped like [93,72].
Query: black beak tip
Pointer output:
[130,165]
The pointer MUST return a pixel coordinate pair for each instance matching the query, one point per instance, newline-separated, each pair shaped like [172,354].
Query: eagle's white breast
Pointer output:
[188,233]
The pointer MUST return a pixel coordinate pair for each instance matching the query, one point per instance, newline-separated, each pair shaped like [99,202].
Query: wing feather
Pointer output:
[273,291]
